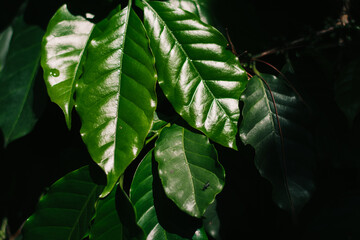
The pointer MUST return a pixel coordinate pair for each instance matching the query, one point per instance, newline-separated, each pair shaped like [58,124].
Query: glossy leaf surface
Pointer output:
[287,164]
[116,96]
[202,80]
[17,117]
[5,38]
[346,90]
[198,7]
[189,169]
[66,210]
[155,212]
[115,218]
[63,48]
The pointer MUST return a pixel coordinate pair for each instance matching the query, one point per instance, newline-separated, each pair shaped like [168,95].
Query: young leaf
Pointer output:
[158,218]
[189,169]
[17,117]
[202,80]
[198,7]
[63,48]
[346,90]
[115,218]
[116,96]
[283,157]
[66,210]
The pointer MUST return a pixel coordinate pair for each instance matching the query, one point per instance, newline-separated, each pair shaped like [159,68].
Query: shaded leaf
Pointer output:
[5,38]
[189,169]
[212,221]
[17,117]
[156,128]
[156,214]
[198,7]
[115,218]
[346,90]
[66,210]
[202,80]
[287,164]
[116,96]
[63,48]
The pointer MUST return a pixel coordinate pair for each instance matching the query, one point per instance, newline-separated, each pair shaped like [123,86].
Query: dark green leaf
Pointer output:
[212,221]
[63,49]
[202,80]
[5,38]
[189,169]
[287,164]
[115,218]
[66,210]
[198,7]
[116,96]
[156,128]
[346,90]
[156,214]
[17,117]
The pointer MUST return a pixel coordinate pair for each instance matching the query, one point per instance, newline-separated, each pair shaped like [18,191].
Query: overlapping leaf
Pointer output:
[202,80]
[116,94]
[198,7]
[17,117]
[346,90]
[63,48]
[285,160]
[189,169]
[66,210]
[153,209]
[115,218]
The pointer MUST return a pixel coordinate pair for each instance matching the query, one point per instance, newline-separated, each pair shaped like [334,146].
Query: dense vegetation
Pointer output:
[184,119]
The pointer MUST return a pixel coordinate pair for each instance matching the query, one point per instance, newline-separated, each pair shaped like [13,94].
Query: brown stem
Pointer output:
[342,22]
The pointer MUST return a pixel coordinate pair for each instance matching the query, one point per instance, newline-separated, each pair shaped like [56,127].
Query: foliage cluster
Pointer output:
[164,105]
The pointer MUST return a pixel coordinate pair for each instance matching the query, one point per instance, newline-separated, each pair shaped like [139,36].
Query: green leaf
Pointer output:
[156,128]
[116,97]
[5,38]
[17,117]
[346,90]
[287,164]
[212,221]
[199,7]
[189,169]
[202,80]
[115,218]
[156,214]
[66,210]
[63,49]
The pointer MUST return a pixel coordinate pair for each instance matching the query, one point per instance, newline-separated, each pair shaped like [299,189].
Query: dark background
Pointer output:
[31,164]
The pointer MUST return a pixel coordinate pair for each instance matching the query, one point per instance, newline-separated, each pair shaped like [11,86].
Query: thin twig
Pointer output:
[343,21]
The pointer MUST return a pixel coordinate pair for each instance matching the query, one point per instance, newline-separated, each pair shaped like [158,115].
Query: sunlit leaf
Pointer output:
[63,49]
[287,163]
[115,96]
[201,8]
[17,117]
[200,77]
[156,214]
[189,169]
[66,210]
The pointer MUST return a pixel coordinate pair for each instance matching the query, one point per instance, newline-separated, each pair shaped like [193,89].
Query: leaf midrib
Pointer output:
[189,60]
[76,223]
[118,95]
[22,106]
